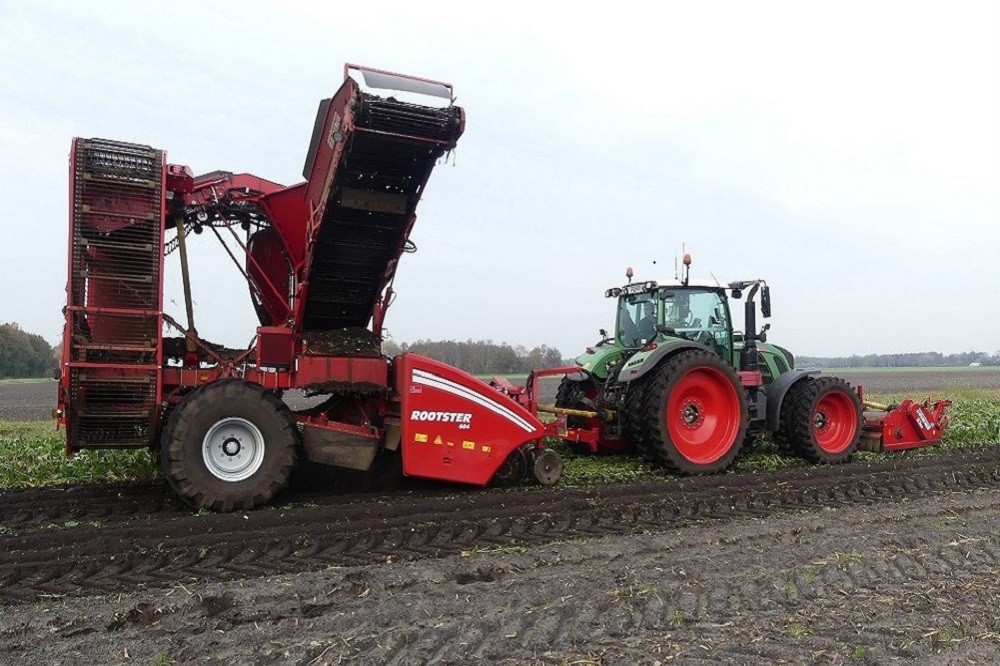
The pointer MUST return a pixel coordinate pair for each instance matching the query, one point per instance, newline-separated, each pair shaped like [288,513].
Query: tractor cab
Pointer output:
[655,316]
[668,311]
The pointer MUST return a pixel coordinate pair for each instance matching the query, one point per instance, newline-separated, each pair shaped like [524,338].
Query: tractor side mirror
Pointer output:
[604,334]
[765,301]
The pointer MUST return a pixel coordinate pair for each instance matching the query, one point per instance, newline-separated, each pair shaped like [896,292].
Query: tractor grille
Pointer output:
[114,301]
[377,185]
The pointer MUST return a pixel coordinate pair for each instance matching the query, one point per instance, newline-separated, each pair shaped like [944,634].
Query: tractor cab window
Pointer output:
[700,315]
[636,319]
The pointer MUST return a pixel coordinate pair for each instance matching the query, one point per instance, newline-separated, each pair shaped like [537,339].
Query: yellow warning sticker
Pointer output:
[451,443]
[468,445]
[419,437]
[438,440]
[486,449]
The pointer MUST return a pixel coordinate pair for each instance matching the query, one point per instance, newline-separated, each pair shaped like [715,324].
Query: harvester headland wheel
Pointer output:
[696,413]
[824,419]
[546,466]
[229,445]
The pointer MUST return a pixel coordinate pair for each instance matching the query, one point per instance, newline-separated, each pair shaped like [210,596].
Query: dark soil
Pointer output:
[29,401]
[847,564]
[865,563]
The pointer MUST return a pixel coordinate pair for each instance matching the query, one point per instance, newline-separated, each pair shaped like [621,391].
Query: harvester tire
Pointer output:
[229,445]
[824,420]
[696,413]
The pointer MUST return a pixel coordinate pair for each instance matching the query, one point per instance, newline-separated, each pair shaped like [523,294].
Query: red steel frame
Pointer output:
[67,363]
[295,213]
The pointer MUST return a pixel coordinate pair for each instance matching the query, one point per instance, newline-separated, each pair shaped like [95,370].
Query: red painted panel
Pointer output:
[275,347]
[455,427]
[314,370]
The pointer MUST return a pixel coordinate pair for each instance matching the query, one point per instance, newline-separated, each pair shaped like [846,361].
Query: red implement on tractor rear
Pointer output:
[908,425]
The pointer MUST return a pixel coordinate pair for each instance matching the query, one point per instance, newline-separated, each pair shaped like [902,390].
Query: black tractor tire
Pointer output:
[572,395]
[750,443]
[634,415]
[228,446]
[823,420]
[696,413]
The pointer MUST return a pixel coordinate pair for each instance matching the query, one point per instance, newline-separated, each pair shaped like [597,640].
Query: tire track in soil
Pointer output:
[802,584]
[792,591]
[169,544]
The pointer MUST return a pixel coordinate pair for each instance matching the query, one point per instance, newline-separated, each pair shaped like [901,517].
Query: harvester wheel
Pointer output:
[546,466]
[824,419]
[635,419]
[229,445]
[696,413]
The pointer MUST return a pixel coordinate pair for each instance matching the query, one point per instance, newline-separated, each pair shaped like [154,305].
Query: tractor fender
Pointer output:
[578,376]
[776,391]
[642,363]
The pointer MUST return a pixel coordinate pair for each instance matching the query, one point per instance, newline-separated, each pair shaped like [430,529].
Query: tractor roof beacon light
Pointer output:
[629,273]
[687,268]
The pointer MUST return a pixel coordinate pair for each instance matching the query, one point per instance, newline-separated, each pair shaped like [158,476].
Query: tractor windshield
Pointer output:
[637,319]
[700,315]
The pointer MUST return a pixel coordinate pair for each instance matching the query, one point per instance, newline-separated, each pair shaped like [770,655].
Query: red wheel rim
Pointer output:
[703,415]
[834,422]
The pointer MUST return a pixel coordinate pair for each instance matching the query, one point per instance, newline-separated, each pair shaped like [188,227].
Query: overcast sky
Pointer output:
[847,152]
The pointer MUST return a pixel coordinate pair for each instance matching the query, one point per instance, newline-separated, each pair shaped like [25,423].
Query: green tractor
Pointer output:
[680,385]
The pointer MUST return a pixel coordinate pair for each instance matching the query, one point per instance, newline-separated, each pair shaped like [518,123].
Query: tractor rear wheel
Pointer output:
[229,445]
[696,413]
[824,419]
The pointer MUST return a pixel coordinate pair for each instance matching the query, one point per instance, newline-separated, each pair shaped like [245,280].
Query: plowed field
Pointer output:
[862,563]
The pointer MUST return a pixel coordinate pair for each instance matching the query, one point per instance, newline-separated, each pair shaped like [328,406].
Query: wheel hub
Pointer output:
[819,420]
[692,414]
[233,449]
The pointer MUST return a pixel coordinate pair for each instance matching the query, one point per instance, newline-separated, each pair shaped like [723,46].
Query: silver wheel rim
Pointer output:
[233,449]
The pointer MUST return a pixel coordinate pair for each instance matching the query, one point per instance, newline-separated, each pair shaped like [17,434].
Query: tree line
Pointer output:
[24,354]
[913,360]
[482,357]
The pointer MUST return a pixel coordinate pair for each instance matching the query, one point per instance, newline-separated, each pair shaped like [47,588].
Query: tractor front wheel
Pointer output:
[636,429]
[696,413]
[576,395]
[824,421]
[229,445]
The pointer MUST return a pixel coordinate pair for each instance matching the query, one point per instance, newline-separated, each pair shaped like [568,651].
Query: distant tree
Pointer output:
[485,357]
[23,354]
[910,360]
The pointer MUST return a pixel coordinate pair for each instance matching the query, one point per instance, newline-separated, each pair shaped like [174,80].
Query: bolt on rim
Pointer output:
[233,449]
